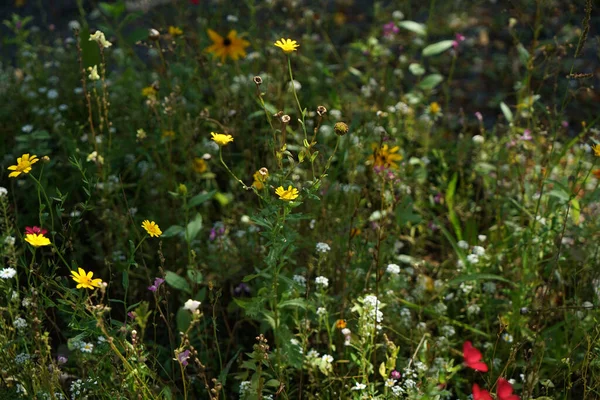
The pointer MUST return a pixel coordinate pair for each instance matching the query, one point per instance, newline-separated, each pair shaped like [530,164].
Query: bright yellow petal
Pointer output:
[214,36]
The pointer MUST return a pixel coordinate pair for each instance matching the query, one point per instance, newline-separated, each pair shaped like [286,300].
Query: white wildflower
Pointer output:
[191,305]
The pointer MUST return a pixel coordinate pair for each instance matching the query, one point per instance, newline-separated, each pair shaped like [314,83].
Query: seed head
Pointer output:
[285,119]
[321,111]
[340,128]
[258,80]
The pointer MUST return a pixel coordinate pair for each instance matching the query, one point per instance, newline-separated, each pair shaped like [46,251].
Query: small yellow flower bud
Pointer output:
[182,189]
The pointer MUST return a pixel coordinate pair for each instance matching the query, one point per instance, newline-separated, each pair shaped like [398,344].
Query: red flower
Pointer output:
[36,230]
[473,357]
[480,394]
[505,390]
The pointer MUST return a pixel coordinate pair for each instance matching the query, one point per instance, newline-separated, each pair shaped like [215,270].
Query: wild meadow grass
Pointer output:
[288,200]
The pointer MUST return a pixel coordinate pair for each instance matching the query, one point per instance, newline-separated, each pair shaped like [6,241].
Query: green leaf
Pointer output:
[382,370]
[125,279]
[575,211]
[113,10]
[177,282]
[195,276]
[450,203]
[478,277]
[506,111]
[416,69]
[413,26]
[201,198]
[173,230]
[293,303]
[183,319]
[431,81]
[437,48]
[222,198]
[193,228]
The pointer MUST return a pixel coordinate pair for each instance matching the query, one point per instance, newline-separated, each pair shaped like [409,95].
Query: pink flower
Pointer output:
[526,135]
[479,116]
[157,282]
[390,29]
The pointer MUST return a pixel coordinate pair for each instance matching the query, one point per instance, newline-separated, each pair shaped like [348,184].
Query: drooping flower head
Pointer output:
[291,193]
[84,280]
[260,178]
[151,228]
[473,357]
[287,45]
[221,139]
[230,46]
[36,230]
[37,240]
[23,166]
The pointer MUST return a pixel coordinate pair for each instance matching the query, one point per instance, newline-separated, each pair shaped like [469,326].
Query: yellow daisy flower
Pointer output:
[221,139]
[151,228]
[230,46]
[37,240]
[23,166]
[84,280]
[175,31]
[287,45]
[595,147]
[149,91]
[291,193]
[385,156]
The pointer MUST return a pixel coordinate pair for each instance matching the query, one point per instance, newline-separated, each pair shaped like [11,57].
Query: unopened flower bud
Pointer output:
[46,159]
[153,34]
[340,128]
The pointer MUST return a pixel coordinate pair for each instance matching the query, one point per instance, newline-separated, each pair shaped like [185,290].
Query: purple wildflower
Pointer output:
[526,135]
[62,359]
[395,374]
[390,29]
[479,116]
[183,357]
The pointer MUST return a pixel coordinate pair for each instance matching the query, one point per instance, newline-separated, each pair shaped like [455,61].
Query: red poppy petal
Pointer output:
[478,366]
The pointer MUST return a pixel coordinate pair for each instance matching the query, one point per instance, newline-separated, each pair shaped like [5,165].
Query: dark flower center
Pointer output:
[226,42]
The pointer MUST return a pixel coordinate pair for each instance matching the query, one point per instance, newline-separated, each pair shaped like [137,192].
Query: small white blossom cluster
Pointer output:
[80,387]
[347,336]
[3,191]
[22,358]
[322,247]
[321,282]
[244,387]
[393,269]
[20,323]
[7,273]
[300,280]
[370,314]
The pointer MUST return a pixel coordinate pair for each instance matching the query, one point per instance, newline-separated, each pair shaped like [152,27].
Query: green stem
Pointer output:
[228,170]
[296,97]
